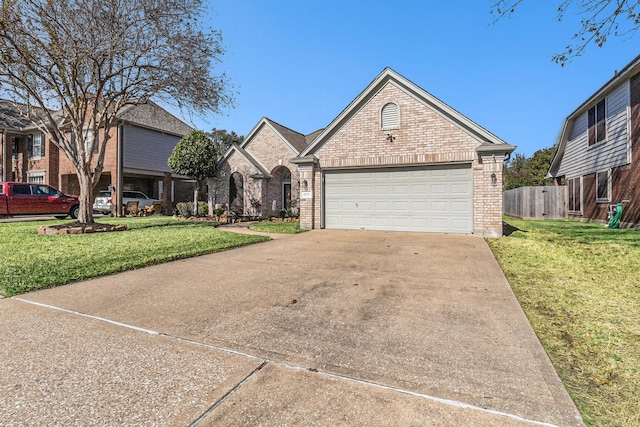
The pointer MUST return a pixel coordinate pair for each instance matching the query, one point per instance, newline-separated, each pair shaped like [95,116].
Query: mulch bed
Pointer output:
[80,228]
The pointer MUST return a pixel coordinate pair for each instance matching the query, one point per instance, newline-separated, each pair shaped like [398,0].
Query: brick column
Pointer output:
[309,191]
[491,194]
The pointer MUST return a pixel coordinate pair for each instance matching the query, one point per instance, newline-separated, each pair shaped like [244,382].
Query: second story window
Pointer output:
[597,123]
[88,138]
[35,145]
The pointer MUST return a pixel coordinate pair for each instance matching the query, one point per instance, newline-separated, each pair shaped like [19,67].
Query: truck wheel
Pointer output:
[74,212]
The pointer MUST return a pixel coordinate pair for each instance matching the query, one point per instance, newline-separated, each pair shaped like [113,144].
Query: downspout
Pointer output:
[5,153]
[119,167]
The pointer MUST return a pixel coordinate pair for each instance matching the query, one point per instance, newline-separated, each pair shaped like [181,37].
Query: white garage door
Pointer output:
[431,199]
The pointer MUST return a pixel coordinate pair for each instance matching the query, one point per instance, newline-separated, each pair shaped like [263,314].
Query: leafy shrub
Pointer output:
[185,209]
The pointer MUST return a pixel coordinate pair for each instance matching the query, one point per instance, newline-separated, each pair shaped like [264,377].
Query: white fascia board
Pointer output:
[562,143]
[416,92]
[626,73]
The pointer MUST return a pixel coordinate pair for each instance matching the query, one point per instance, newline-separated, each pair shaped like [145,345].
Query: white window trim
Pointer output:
[33,145]
[577,212]
[606,124]
[608,198]
[37,173]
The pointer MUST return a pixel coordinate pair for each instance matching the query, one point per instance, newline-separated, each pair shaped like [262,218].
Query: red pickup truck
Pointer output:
[22,198]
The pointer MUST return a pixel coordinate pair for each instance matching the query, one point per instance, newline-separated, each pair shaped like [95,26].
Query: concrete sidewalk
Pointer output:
[321,328]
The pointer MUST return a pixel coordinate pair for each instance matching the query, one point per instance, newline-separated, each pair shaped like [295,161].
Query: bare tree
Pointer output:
[72,65]
[600,20]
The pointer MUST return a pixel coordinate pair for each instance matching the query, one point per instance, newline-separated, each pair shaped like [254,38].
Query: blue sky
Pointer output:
[301,63]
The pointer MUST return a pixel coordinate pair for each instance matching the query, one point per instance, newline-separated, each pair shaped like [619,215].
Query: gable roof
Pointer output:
[627,72]
[295,139]
[148,115]
[151,115]
[261,171]
[292,139]
[488,141]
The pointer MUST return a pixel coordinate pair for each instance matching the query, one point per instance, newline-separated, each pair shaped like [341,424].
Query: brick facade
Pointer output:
[429,133]
[162,130]
[269,150]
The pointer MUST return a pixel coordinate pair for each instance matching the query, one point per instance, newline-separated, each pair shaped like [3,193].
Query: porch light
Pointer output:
[494,178]
[305,184]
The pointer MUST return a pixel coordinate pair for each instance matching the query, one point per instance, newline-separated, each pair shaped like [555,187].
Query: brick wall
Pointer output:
[423,137]
[272,152]
[267,147]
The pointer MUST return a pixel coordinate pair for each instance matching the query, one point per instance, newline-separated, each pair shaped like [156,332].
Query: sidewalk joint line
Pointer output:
[228,394]
[448,402]
[78,313]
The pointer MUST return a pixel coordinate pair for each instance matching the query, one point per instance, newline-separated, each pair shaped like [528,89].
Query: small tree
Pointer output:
[197,156]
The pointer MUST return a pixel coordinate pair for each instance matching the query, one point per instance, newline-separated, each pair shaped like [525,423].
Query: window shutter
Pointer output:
[29,145]
[390,116]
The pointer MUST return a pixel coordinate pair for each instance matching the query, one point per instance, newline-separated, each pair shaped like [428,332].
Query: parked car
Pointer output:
[104,202]
[23,198]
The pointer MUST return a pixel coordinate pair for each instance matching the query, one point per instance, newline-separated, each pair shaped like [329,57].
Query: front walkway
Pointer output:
[243,228]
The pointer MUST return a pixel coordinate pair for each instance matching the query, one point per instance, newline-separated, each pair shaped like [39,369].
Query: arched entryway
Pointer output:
[280,190]
[236,193]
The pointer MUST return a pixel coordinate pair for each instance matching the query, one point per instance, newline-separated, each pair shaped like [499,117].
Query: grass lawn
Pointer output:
[277,227]
[579,285]
[30,261]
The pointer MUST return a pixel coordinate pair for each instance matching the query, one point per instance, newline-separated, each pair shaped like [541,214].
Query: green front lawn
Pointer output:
[277,227]
[30,261]
[579,285]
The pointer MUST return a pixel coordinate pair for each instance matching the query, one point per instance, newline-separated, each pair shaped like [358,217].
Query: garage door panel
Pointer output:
[432,199]
[438,189]
[461,189]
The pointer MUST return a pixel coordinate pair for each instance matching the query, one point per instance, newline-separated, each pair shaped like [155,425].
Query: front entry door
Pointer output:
[286,196]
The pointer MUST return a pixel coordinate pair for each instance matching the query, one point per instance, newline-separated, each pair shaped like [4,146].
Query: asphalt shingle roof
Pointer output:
[153,116]
[10,117]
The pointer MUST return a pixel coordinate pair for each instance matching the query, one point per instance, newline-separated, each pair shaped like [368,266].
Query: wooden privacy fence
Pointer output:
[545,202]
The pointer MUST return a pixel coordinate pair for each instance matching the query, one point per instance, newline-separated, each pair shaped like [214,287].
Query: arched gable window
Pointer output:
[390,116]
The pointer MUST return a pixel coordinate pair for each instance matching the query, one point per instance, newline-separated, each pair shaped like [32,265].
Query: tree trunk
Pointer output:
[211,191]
[85,214]
[195,200]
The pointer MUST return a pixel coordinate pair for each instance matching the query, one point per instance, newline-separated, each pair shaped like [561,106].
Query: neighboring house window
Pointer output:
[88,137]
[574,185]
[603,186]
[16,148]
[597,123]
[390,116]
[35,145]
[35,177]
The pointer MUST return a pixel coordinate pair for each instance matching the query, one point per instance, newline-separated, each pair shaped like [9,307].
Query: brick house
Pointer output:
[598,156]
[146,134]
[396,158]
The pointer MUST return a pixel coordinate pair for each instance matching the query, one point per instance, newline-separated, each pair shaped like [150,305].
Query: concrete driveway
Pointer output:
[321,328]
